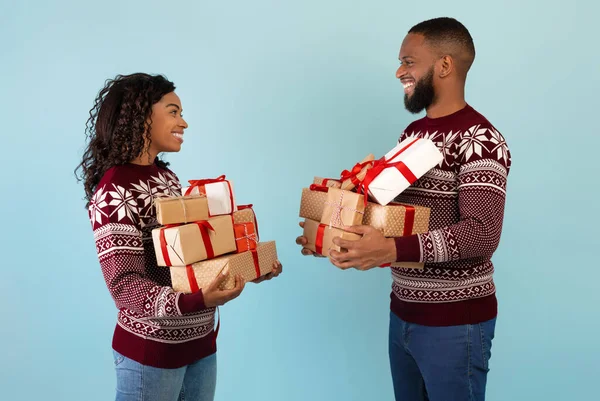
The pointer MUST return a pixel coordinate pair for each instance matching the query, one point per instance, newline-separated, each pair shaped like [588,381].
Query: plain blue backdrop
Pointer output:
[276,92]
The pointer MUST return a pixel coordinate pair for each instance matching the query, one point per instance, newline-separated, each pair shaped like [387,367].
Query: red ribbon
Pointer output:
[192,278]
[319,240]
[381,165]
[250,206]
[352,174]
[320,188]
[199,183]
[256,264]
[203,225]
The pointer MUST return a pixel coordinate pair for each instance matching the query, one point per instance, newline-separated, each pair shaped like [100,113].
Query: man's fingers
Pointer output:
[301,240]
[342,265]
[306,252]
[341,257]
[344,243]
[301,224]
[359,229]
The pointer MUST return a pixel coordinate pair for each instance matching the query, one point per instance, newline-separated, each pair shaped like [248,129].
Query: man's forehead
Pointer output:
[412,45]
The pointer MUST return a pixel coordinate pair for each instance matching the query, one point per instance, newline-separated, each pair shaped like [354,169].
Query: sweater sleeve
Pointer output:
[118,236]
[484,161]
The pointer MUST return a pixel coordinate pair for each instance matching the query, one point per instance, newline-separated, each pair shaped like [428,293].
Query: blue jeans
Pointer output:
[137,382]
[440,363]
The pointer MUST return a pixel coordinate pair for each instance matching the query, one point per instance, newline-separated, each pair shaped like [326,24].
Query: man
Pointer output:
[443,317]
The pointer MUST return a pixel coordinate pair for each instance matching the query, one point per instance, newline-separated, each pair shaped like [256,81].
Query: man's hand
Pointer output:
[372,250]
[303,241]
[213,296]
[276,271]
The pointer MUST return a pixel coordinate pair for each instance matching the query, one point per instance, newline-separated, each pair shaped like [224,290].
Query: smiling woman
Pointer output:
[164,337]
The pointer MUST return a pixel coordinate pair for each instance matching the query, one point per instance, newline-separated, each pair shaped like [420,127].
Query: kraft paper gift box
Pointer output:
[245,237]
[219,191]
[189,243]
[250,265]
[400,168]
[320,237]
[327,182]
[397,219]
[245,214]
[352,178]
[313,202]
[343,209]
[179,209]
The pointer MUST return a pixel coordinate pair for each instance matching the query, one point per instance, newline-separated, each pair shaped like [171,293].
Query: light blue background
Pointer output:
[276,92]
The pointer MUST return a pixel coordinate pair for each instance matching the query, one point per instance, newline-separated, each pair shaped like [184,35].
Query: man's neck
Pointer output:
[447,103]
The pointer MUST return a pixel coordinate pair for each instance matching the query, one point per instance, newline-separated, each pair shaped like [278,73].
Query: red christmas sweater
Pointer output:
[466,194]
[156,326]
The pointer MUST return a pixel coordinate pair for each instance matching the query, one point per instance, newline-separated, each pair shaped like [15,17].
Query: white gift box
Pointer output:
[220,197]
[408,161]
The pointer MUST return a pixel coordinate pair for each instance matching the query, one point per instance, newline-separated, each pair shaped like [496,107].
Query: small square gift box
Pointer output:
[245,237]
[250,265]
[320,237]
[219,192]
[399,169]
[181,209]
[189,243]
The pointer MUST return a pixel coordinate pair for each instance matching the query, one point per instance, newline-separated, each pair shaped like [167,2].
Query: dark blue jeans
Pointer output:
[440,363]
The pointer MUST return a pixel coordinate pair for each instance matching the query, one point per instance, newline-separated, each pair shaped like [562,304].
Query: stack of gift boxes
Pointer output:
[203,231]
[365,194]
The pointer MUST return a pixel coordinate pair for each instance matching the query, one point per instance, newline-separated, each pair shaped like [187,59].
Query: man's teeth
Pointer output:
[177,135]
[408,84]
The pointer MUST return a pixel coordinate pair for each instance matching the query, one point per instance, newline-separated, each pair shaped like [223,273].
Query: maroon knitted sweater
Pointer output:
[466,194]
[155,325]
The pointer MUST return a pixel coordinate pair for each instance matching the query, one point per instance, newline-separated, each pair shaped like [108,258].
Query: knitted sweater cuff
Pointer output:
[408,249]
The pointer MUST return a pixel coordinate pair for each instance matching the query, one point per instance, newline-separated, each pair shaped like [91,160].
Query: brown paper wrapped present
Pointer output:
[312,203]
[351,178]
[327,182]
[180,209]
[320,237]
[397,220]
[189,243]
[245,214]
[250,265]
[343,209]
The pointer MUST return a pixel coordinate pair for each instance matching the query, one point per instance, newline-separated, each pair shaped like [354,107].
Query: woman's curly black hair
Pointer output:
[118,129]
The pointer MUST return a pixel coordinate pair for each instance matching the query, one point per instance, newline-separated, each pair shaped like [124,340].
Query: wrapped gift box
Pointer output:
[245,237]
[320,237]
[312,202]
[343,209]
[189,243]
[250,265]
[327,182]
[396,219]
[245,214]
[400,168]
[219,192]
[176,210]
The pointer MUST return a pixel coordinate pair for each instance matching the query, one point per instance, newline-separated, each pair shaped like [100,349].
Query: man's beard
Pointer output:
[422,96]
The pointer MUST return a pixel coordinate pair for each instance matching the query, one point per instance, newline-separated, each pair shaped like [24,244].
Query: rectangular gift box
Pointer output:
[250,265]
[179,209]
[312,203]
[189,243]
[245,237]
[320,237]
[245,214]
[406,163]
[343,208]
[397,219]
[327,182]
[220,194]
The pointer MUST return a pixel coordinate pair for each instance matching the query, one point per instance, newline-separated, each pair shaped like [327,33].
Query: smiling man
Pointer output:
[443,317]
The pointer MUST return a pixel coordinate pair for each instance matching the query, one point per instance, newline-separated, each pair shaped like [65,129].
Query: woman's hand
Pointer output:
[276,271]
[213,296]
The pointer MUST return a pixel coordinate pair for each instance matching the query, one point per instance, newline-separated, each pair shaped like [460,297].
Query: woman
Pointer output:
[164,344]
